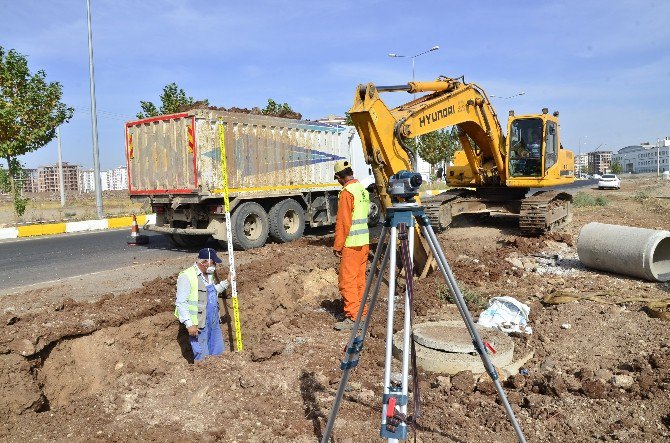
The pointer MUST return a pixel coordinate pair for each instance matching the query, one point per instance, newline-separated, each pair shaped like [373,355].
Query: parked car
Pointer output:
[609,181]
[597,176]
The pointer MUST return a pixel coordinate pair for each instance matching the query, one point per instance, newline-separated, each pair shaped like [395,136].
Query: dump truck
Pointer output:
[280,175]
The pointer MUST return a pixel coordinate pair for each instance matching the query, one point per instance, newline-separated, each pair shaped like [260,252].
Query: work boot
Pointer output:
[345,325]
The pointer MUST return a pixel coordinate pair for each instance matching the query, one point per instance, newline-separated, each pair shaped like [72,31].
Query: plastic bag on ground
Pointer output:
[506,314]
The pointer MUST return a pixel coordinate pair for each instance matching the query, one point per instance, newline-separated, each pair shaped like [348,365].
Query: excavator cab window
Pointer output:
[551,145]
[525,154]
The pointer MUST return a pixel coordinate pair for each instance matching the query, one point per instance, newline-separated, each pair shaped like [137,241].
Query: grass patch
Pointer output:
[640,196]
[582,200]
[475,300]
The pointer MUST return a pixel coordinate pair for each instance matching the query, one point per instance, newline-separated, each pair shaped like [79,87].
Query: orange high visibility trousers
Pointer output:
[352,278]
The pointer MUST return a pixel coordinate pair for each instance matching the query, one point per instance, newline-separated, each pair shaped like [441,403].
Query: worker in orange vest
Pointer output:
[352,242]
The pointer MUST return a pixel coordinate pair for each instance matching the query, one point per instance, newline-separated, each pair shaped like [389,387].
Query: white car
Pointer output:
[609,181]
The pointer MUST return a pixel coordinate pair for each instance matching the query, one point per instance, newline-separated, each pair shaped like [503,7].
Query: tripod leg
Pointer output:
[407,326]
[368,282]
[355,344]
[389,324]
[467,319]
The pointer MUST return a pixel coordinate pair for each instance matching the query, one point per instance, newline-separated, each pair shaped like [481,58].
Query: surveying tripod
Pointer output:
[399,224]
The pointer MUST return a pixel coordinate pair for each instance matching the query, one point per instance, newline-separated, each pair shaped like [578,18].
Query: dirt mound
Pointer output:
[117,369]
[200,104]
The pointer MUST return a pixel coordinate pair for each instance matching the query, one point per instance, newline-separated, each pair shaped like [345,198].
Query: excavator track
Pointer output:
[438,208]
[543,211]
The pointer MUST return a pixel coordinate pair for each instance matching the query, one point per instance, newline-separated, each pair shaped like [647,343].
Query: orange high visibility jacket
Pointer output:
[345,209]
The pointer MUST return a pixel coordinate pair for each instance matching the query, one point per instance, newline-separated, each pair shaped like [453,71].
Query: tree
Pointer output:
[617,168]
[30,112]
[284,110]
[173,100]
[436,146]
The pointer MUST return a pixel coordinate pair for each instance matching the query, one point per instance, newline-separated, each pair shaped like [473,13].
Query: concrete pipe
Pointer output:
[636,252]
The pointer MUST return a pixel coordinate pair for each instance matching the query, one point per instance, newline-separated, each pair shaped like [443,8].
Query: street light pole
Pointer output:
[658,157]
[94,118]
[413,57]
[60,169]
[581,141]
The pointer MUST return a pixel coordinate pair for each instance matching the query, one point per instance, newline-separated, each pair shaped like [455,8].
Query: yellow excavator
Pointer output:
[490,174]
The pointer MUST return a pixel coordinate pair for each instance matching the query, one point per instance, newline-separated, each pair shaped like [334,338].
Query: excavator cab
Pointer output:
[533,148]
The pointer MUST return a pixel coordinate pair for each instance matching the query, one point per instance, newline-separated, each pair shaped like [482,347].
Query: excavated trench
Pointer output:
[75,367]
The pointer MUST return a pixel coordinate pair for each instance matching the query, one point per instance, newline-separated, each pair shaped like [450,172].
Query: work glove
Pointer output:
[221,286]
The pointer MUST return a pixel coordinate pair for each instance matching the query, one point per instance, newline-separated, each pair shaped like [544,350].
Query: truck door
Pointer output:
[161,155]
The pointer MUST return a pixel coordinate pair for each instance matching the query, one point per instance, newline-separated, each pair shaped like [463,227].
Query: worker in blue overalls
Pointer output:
[197,304]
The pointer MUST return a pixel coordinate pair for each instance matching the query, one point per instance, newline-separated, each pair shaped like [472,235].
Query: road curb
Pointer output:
[78,226]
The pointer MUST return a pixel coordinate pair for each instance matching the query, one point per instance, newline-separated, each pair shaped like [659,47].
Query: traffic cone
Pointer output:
[135,237]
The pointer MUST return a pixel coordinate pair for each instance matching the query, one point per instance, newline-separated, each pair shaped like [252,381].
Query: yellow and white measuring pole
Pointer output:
[229,240]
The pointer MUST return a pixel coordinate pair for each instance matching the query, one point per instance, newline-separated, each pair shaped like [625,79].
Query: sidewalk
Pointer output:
[78,226]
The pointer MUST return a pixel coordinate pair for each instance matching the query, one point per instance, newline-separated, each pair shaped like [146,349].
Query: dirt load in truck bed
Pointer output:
[116,369]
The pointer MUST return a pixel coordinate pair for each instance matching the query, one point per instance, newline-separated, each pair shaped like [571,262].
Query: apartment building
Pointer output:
[599,162]
[47,178]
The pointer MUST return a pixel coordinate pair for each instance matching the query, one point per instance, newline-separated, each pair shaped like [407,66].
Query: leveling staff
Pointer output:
[352,241]
[197,304]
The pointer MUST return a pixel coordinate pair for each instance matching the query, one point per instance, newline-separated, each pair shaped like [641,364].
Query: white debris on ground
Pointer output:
[559,259]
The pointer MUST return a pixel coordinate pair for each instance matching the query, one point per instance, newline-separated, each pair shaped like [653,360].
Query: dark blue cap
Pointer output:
[209,254]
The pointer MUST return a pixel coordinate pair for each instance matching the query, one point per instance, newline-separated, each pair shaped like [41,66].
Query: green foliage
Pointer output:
[148,110]
[617,168]
[473,299]
[20,204]
[601,201]
[435,147]
[5,185]
[640,196]
[173,100]
[30,112]
[348,120]
[274,108]
[582,200]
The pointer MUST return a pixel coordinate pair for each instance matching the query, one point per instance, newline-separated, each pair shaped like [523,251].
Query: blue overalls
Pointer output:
[210,338]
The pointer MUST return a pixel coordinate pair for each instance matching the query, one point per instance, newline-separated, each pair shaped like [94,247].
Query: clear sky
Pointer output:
[605,65]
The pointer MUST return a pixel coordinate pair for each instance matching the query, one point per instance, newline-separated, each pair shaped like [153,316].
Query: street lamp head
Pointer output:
[435,48]
[395,55]
[522,93]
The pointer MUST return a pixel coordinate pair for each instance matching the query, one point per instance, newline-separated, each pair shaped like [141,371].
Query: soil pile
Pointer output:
[118,368]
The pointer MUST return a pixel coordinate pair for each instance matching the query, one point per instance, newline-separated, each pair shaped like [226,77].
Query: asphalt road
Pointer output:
[571,188]
[42,259]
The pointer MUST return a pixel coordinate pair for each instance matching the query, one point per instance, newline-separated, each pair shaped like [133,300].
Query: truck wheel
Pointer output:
[175,240]
[287,221]
[191,241]
[250,226]
[375,213]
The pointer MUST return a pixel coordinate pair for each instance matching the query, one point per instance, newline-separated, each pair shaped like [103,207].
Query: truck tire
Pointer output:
[175,241]
[287,221]
[191,241]
[375,213]
[250,226]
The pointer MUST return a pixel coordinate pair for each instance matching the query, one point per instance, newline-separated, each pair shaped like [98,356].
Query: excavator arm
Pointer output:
[450,103]
[501,178]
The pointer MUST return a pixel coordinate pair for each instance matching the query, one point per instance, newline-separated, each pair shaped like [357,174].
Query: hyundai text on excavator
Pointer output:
[490,174]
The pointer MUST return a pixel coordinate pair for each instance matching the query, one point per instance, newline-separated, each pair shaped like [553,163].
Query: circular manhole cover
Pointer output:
[446,347]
